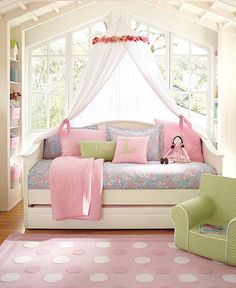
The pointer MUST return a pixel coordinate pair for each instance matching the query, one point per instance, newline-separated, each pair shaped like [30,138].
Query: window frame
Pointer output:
[169,55]
[68,68]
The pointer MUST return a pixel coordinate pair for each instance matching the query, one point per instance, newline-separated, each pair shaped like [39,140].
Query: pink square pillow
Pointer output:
[131,150]
[191,139]
[69,139]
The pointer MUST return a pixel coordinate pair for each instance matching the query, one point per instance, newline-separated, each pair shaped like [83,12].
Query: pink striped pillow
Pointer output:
[131,150]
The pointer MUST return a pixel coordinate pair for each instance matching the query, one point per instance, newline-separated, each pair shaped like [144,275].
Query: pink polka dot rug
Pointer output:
[92,261]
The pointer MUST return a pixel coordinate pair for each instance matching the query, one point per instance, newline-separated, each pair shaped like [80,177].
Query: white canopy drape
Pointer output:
[121,81]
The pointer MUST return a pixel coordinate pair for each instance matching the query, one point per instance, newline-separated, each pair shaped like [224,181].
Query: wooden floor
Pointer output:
[12,222]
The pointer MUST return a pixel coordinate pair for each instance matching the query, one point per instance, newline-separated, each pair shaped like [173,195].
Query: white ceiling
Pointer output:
[204,12]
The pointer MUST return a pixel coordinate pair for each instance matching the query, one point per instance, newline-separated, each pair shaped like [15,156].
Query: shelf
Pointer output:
[15,83]
[15,127]
[14,60]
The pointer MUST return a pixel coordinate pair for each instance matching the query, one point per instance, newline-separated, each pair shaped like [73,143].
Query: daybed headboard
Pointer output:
[124,124]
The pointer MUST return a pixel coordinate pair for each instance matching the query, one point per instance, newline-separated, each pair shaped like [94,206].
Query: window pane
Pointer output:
[99,29]
[180,46]
[39,74]
[39,111]
[157,41]
[198,50]
[56,79]
[58,47]
[199,73]
[182,99]
[57,109]
[140,28]
[81,42]
[198,103]
[79,64]
[181,76]
[40,51]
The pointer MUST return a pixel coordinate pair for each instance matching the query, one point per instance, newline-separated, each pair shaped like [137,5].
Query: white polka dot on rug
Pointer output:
[79,252]
[102,259]
[74,269]
[66,244]
[119,270]
[10,277]
[32,269]
[22,259]
[53,277]
[204,270]
[229,278]
[61,259]
[181,260]
[217,262]
[31,244]
[187,278]
[172,245]
[98,277]
[142,260]
[144,278]
[103,244]
[140,245]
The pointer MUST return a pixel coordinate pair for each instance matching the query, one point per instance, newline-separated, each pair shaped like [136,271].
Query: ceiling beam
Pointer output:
[227,16]
[184,14]
[34,17]
[53,15]
[22,5]
[18,12]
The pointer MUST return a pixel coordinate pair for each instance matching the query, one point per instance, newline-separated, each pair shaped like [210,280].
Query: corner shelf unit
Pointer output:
[15,135]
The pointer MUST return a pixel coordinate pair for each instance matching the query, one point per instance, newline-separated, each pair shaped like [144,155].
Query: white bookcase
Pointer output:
[10,190]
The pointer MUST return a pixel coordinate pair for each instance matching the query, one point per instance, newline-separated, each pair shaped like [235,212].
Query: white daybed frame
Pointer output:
[122,209]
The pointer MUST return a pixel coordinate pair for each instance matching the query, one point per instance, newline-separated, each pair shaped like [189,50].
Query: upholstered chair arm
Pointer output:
[231,243]
[195,210]
[187,214]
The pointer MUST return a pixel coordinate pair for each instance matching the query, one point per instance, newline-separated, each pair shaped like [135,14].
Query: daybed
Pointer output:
[142,203]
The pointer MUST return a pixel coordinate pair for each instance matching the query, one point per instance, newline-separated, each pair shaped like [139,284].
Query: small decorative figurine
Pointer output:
[177,152]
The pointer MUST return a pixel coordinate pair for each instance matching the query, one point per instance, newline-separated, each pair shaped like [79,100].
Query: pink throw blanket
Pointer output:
[76,188]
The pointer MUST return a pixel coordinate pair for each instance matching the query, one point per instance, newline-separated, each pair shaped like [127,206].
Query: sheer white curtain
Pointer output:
[121,81]
[126,96]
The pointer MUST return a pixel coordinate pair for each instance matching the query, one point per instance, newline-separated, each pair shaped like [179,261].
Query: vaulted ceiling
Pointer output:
[208,13]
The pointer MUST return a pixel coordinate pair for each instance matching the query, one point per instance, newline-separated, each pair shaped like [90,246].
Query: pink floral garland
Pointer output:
[116,39]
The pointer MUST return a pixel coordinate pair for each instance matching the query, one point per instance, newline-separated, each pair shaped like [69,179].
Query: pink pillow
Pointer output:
[131,150]
[69,139]
[191,139]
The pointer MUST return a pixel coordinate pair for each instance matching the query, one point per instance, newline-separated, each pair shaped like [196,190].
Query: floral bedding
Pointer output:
[135,176]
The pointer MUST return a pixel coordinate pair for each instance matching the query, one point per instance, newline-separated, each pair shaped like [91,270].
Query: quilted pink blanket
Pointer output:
[76,188]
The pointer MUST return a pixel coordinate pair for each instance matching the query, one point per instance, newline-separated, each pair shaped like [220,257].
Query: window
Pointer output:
[55,71]
[184,65]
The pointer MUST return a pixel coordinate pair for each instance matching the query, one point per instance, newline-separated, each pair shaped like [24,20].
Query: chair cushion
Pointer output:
[208,245]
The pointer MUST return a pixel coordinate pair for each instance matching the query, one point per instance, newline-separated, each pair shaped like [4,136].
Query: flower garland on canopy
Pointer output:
[116,39]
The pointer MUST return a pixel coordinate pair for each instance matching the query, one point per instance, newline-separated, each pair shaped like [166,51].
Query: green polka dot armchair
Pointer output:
[216,205]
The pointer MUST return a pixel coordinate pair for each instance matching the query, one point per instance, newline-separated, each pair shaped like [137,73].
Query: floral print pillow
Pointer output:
[155,133]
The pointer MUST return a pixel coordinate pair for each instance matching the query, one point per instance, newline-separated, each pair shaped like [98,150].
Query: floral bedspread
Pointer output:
[135,176]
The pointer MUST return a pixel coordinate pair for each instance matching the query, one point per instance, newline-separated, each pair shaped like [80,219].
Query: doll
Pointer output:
[177,152]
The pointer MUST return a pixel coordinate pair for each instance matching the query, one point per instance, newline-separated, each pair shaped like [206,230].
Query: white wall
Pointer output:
[227,99]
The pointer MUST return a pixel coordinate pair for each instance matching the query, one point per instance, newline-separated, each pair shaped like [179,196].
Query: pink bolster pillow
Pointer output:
[191,139]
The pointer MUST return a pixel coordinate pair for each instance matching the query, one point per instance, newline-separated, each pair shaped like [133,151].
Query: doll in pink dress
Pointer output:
[177,152]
